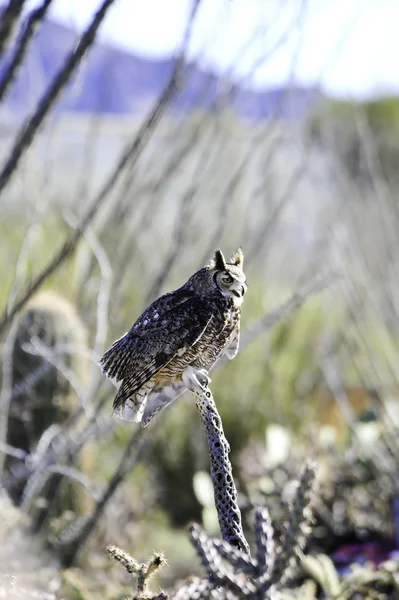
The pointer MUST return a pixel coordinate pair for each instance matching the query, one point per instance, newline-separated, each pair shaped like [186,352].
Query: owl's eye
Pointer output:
[227,279]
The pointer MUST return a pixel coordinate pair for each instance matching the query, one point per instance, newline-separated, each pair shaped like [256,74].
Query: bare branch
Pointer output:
[129,458]
[6,387]
[286,309]
[22,45]
[58,83]
[9,17]
[129,156]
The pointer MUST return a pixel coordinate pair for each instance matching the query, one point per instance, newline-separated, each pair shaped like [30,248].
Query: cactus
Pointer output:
[41,395]
[142,572]
[232,573]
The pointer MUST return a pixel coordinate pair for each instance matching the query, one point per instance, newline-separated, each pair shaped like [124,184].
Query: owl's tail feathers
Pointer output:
[129,409]
[114,360]
[130,402]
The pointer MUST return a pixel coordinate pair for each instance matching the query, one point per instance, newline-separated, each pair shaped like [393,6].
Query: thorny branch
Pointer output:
[234,574]
[8,19]
[58,83]
[22,45]
[129,458]
[130,156]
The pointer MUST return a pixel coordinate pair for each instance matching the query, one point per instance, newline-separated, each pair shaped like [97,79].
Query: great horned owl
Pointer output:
[177,339]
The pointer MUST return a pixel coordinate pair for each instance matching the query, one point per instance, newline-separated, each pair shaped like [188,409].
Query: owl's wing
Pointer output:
[232,350]
[160,397]
[156,338]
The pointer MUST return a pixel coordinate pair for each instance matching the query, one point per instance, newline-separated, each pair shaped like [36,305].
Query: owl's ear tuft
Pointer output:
[220,263]
[238,258]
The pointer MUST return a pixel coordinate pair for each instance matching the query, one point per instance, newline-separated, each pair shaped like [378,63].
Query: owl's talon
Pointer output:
[206,377]
[195,378]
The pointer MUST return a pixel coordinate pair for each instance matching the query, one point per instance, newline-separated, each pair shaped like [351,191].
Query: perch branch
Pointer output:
[221,472]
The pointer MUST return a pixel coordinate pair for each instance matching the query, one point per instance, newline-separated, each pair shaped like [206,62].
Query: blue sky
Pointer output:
[349,47]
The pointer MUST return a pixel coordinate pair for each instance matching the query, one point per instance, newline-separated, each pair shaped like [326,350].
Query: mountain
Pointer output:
[115,82]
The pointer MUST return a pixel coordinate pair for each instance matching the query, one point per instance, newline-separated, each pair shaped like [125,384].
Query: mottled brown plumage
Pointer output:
[177,340]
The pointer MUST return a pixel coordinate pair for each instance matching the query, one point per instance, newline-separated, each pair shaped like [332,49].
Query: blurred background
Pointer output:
[135,139]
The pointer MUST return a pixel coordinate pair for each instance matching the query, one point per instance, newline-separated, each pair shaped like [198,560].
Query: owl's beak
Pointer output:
[240,290]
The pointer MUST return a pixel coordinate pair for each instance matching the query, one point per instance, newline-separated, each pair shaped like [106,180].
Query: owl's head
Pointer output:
[228,276]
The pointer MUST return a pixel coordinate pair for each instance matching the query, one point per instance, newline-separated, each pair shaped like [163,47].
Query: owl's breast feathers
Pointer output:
[210,346]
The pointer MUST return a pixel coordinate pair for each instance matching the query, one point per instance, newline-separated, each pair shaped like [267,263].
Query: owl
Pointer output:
[177,340]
